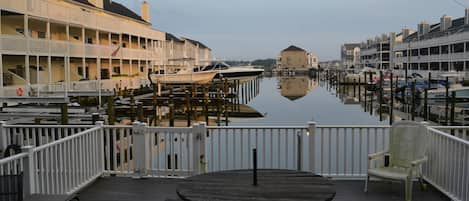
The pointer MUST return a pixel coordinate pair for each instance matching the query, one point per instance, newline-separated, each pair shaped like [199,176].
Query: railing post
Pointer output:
[28,171]
[139,149]
[198,152]
[102,150]
[3,137]
[311,146]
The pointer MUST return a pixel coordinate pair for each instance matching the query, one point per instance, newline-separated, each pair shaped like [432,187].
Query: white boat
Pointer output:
[185,76]
[225,71]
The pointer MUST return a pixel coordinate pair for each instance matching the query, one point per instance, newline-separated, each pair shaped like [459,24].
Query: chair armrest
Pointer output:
[375,156]
[419,161]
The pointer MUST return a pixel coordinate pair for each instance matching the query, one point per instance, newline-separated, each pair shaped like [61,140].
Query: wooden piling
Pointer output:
[171,108]
[412,109]
[380,98]
[453,105]
[188,108]
[447,101]
[64,114]
[391,106]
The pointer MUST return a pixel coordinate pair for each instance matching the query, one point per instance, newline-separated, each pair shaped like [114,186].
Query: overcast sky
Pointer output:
[251,29]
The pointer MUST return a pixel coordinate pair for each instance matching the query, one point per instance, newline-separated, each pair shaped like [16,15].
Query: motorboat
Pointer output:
[184,76]
[225,71]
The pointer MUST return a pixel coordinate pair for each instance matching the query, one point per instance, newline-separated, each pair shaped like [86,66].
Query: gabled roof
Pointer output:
[201,45]
[115,8]
[293,48]
[172,37]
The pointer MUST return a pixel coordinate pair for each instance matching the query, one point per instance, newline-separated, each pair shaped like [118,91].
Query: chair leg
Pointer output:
[408,189]
[366,184]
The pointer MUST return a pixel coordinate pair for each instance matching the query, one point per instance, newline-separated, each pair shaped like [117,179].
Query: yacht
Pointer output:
[225,71]
[184,76]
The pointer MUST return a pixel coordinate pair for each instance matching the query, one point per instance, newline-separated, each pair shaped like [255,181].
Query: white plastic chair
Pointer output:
[407,153]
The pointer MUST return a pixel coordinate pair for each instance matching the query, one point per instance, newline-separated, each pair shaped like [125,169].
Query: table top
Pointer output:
[284,185]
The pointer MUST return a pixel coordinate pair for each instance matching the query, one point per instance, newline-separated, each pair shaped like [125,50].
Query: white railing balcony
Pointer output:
[72,160]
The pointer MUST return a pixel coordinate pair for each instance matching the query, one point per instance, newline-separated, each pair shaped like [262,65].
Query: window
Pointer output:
[423,66]
[414,66]
[116,70]
[458,66]
[434,66]
[124,45]
[444,49]
[435,50]
[80,71]
[404,53]
[89,40]
[467,46]
[424,51]
[76,37]
[444,66]
[142,69]
[415,52]
[458,47]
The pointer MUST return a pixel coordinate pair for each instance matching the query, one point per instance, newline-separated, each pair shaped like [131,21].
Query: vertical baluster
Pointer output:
[337,130]
[226,149]
[271,148]
[345,151]
[353,155]
[264,150]
[286,149]
[279,148]
[256,141]
[321,151]
[129,144]
[114,149]
[219,149]
[121,150]
[330,152]
[235,166]
[360,158]
[249,148]
[242,147]
[211,133]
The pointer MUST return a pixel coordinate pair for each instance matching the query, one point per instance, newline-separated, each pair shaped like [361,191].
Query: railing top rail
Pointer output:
[450,127]
[117,126]
[48,126]
[170,129]
[65,139]
[454,138]
[353,126]
[12,158]
[257,127]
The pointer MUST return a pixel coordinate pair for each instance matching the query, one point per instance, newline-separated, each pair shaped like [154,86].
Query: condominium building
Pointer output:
[376,52]
[350,55]
[296,59]
[437,48]
[67,45]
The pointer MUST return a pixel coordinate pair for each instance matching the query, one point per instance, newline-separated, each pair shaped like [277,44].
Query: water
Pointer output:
[300,99]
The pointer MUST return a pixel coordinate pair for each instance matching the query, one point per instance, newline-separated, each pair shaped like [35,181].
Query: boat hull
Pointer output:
[184,78]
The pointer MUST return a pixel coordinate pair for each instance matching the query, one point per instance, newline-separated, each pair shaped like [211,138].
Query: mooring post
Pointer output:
[254,169]
[366,93]
[359,89]
[64,113]
[447,101]
[171,109]
[391,107]
[188,108]
[412,110]
[380,99]
[453,105]
[299,151]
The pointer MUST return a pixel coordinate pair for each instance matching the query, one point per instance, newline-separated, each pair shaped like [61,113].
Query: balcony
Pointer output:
[62,160]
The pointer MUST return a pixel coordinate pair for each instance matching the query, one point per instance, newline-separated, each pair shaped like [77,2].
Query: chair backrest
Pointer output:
[408,142]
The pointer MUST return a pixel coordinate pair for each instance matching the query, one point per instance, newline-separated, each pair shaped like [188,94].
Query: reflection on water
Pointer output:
[295,88]
[300,99]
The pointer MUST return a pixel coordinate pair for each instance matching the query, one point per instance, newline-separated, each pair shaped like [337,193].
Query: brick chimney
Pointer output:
[145,8]
[97,3]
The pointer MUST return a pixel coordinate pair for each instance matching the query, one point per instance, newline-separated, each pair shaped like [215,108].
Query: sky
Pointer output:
[257,29]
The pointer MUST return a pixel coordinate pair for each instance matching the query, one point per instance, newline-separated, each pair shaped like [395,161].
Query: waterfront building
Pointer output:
[82,45]
[376,52]
[439,48]
[350,55]
[296,59]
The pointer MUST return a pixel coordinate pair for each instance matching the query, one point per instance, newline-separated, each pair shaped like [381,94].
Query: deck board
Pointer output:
[128,189]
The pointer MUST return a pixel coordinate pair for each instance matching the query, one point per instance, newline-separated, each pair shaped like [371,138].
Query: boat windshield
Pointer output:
[216,66]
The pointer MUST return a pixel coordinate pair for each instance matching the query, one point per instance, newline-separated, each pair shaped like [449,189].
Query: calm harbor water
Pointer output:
[300,99]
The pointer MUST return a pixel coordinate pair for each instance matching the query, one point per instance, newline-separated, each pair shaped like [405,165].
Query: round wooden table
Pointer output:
[272,185]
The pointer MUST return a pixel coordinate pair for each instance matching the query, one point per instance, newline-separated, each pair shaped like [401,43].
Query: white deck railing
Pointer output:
[66,164]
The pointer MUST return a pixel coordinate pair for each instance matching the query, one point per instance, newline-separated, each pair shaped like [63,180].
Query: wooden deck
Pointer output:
[127,189]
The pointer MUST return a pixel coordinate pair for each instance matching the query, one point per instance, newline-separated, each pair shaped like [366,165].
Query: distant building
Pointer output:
[350,55]
[376,53]
[437,48]
[296,59]
[334,64]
